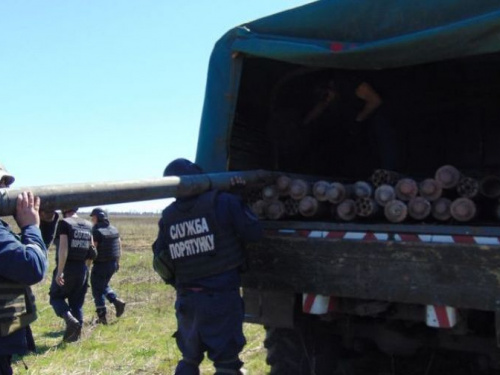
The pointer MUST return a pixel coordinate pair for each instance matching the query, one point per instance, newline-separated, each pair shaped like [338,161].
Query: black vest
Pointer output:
[17,307]
[197,246]
[79,238]
[108,248]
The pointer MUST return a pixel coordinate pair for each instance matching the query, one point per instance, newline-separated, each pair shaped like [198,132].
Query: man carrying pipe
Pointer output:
[199,251]
[23,262]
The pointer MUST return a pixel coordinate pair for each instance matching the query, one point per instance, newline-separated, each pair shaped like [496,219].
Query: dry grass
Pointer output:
[140,342]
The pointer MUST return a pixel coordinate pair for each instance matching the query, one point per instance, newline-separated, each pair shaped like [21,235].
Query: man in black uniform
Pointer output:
[199,251]
[75,251]
[23,262]
[108,244]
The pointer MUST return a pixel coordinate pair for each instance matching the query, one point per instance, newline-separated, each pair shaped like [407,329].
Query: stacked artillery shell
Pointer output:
[362,189]
[336,193]
[346,210]
[448,176]
[320,190]
[384,177]
[406,189]
[275,210]
[311,207]
[441,209]
[259,208]
[432,197]
[366,207]
[419,208]
[384,194]
[283,183]
[270,193]
[430,189]
[468,187]
[463,209]
[490,187]
[396,211]
[299,189]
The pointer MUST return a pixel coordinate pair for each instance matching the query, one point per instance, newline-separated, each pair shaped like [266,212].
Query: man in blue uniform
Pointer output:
[75,251]
[109,249]
[23,262]
[199,251]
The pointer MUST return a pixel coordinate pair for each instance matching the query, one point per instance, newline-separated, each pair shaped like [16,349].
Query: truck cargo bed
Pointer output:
[456,266]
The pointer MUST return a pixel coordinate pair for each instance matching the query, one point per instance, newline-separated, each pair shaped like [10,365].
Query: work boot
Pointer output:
[101,316]
[73,328]
[119,306]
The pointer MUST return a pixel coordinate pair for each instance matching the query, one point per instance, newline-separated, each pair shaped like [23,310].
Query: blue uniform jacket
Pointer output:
[26,265]
[230,212]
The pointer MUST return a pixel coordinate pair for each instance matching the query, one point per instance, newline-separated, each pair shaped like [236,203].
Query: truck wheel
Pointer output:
[304,351]
[286,352]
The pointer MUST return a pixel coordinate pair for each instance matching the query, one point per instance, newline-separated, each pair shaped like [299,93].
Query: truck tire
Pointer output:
[305,350]
[286,352]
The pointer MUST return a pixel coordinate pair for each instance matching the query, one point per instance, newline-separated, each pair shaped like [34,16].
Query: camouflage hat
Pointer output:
[4,174]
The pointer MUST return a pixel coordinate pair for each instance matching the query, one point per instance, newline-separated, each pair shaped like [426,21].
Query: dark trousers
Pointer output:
[74,290]
[209,322]
[101,275]
[5,365]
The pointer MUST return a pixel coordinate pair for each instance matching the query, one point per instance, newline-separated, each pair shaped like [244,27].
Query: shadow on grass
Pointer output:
[53,335]
[40,350]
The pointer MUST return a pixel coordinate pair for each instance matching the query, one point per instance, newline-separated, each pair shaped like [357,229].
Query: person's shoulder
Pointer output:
[84,222]
[222,196]
[169,209]
[64,223]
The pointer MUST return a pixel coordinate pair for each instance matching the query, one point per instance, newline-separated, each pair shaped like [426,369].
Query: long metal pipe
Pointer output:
[91,194]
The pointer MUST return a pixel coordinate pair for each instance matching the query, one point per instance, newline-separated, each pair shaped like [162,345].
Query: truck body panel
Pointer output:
[421,284]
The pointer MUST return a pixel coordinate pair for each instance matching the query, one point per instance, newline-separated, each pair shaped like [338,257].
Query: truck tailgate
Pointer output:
[450,265]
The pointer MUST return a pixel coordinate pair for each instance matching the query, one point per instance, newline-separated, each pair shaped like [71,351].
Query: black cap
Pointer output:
[182,167]
[99,213]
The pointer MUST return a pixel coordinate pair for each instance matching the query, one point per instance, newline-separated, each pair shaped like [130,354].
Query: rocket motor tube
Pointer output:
[336,193]
[489,187]
[448,176]
[92,194]
[396,211]
[441,209]
[320,189]
[430,189]
[384,194]
[419,208]
[406,189]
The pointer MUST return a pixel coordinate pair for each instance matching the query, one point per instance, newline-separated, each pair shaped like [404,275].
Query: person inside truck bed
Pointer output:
[347,109]
[358,101]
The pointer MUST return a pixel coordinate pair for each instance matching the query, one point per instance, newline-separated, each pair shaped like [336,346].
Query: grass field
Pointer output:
[140,341]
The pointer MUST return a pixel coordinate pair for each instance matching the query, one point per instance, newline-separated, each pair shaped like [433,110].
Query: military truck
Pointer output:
[367,296]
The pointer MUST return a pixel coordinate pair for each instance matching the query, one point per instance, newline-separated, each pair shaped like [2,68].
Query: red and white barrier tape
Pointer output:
[441,316]
[398,237]
[317,304]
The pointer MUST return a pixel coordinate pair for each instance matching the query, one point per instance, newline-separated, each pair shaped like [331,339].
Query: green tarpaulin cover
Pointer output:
[344,34]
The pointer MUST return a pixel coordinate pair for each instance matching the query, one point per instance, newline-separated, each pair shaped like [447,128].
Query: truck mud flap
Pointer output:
[269,308]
